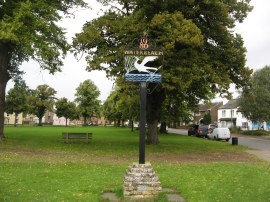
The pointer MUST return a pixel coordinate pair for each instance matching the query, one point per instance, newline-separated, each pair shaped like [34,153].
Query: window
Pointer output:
[232,113]
[244,124]
[223,113]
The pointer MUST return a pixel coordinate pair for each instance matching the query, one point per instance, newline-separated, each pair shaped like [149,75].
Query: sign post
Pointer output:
[143,93]
[142,62]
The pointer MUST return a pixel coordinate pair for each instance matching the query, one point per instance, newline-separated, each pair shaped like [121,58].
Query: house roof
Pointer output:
[208,106]
[231,104]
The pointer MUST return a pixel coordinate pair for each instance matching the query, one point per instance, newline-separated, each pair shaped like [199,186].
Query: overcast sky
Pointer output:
[255,30]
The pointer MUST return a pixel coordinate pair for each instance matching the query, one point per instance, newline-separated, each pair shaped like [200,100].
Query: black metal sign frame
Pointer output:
[142,63]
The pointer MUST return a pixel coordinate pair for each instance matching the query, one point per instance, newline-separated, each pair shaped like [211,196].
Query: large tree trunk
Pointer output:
[39,121]
[84,120]
[163,126]
[132,125]
[2,105]
[15,121]
[152,133]
[4,77]
[154,105]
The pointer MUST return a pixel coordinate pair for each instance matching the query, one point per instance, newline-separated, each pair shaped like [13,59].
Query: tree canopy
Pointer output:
[87,94]
[16,99]
[254,99]
[29,30]
[122,105]
[67,109]
[41,100]
[203,55]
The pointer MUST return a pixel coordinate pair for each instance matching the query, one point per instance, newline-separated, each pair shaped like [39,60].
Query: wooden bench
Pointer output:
[76,136]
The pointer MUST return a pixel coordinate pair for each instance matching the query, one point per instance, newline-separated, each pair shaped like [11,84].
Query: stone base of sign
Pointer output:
[141,182]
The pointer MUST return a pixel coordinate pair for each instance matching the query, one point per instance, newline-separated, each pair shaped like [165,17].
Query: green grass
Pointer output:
[36,165]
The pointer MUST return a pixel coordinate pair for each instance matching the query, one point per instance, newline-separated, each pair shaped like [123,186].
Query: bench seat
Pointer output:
[76,136]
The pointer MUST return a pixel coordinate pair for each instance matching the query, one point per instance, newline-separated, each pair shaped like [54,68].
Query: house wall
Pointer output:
[228,114]
[212,108]
[48,117]
[214,112]
[29,119]
[198,117]
[11,119]
[60,121]
[234,119]
[243,122]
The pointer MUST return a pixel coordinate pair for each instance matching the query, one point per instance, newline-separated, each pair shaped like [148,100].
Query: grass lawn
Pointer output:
[36,165]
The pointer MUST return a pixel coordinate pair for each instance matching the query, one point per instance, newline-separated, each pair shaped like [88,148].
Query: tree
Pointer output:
[122,104]
[254,99]
[87,98]
[110,110]
[67,109]
[175,110]
[207,118]
[29,30]
[202,54]
[41,100]
[16,99]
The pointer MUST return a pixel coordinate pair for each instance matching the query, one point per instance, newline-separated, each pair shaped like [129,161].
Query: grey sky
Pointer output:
[255,30]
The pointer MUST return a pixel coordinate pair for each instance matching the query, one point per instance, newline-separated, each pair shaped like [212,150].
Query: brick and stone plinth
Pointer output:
[141,182]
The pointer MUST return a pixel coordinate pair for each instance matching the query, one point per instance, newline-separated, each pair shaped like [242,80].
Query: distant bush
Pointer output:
[235,129]
[256,132]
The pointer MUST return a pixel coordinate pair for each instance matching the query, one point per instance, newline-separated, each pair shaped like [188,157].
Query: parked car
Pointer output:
[220,134]
[193,129]
[211,127]
[204,130]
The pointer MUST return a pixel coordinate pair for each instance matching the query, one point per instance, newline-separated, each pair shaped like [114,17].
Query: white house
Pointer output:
[59,121]
[230,116]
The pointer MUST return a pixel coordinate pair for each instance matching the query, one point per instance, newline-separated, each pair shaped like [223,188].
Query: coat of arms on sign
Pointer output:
[143,59]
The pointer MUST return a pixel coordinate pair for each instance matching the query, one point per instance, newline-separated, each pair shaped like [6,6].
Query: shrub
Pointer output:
[235,130]
[255,132]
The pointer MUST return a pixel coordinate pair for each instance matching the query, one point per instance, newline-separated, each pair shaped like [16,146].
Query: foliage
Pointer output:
[207,118]
[16,99]
[175,110]
[256,132]
[122,104]
[41,100]
[87,94]
[29,30]
[202,54]
[109,110]
[67,109]
[235,129]
[254,100]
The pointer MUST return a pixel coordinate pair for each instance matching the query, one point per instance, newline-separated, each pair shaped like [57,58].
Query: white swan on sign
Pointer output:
[141,66]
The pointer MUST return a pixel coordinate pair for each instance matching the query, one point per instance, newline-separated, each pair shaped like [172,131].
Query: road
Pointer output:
[260,146]
[254,143]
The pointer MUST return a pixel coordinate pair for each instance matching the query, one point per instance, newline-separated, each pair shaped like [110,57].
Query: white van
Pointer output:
[220,134]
